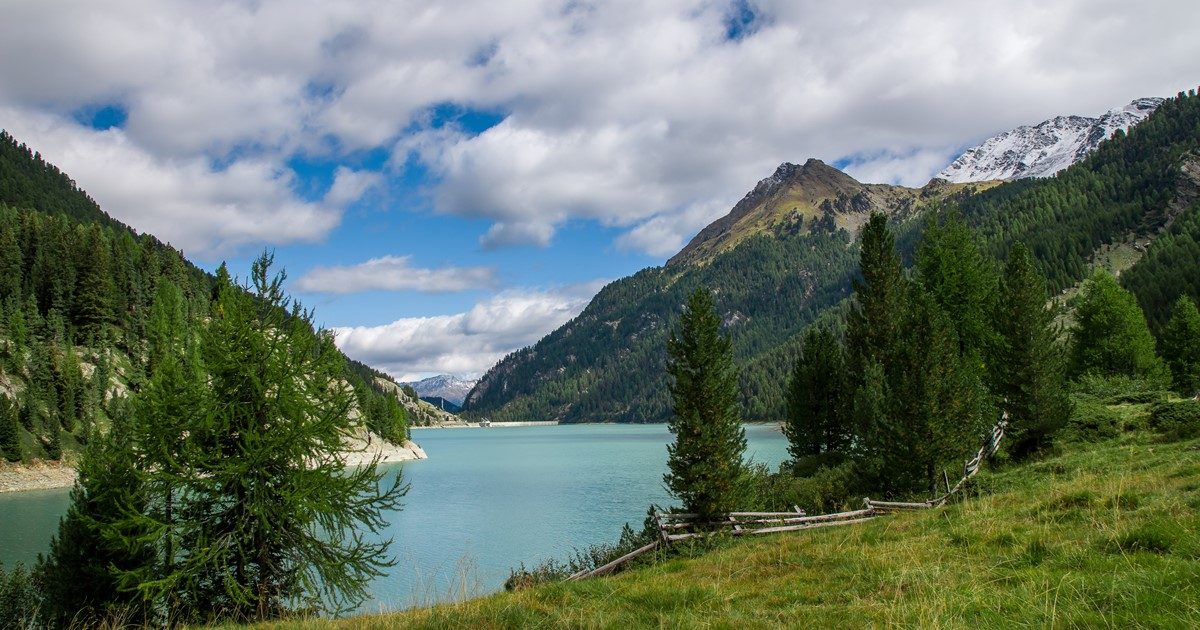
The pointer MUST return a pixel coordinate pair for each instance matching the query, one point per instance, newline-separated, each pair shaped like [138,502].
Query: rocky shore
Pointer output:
[38,475]
[43,475]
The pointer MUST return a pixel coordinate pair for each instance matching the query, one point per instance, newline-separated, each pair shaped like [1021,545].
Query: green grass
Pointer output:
[1099,535]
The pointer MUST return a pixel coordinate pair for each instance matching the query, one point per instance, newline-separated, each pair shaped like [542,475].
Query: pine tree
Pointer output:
[79,576]
[10,431]
[1028,372]
[936,401]
[11,263]
[874,325]
[818,420]
[705,461]
[1181,346]
[1110,335]
[92,306]
[961,280]
[268,516]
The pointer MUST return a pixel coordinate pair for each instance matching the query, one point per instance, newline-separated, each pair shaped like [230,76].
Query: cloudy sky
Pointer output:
[448,181]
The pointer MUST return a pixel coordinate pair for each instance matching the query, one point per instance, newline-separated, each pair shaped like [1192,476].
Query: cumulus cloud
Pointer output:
[200,209]
[627,113]
[394,273]
[467,343]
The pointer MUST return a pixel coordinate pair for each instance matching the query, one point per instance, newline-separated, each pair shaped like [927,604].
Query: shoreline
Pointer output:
[46,475]
[494,425]
[39,475]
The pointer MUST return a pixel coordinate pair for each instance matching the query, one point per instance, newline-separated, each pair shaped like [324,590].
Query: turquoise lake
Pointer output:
[484,502]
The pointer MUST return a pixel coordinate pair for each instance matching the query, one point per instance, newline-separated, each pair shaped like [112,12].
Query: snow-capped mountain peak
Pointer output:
[451,388]
[1046,148]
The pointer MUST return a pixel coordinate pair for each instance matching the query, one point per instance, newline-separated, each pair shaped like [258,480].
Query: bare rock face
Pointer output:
[1046,148]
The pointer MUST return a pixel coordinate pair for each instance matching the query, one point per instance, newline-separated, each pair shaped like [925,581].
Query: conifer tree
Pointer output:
[92,305]
[11,263]
[705,461]
[79,576]
[874,324]
[10,431]
[818,420]
[271,518]
[1028,372]
[169,406]
[960,279]
[936,401]
[1110,335]
[1181,346]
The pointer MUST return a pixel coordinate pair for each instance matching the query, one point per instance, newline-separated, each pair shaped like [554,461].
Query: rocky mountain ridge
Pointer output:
[446,386]
[805,198]
[1046,148]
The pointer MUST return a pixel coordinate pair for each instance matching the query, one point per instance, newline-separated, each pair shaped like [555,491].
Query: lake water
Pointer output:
[485,501]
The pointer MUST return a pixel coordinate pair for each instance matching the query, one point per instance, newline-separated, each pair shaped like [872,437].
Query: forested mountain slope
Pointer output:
[785,255]
[76,293]
[781,258]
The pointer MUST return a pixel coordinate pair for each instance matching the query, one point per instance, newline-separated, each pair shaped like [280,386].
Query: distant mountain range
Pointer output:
[451,388]
[1046,148]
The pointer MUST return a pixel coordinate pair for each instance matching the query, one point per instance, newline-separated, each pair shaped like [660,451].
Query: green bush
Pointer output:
[591,558]
[19,598]
[1115,389]
[827,489]
[1092,421]
[1176,420]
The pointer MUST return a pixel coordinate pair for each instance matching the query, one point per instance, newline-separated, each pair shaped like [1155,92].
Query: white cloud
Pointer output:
[628,113]
[186,202]
[394,273]
[664,235]
[465,344]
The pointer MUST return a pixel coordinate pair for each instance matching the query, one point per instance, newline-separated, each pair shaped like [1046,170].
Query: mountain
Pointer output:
[1046,148]
[452,388]
[77,289]
[782,257]
[786,254]
[442,403]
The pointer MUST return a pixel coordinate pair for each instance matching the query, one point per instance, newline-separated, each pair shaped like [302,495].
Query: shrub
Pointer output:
[593,557]
[1176,420]
[825,489]
[1116,389]
[19,598]
[1092,421]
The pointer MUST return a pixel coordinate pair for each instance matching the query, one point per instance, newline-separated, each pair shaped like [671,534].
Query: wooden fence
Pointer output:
[674,526]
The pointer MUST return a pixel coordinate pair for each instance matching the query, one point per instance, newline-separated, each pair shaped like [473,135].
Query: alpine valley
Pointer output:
[786,256]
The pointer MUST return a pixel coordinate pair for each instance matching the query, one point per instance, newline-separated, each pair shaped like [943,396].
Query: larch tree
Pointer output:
[1110,335]
[705,461]
[271,518]
[10,430]
[960,279]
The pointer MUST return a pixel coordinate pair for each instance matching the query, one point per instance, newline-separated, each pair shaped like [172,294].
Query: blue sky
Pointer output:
[448,182]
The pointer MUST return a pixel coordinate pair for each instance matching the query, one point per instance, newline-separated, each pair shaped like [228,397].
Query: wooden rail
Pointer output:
[612,566]
[671,525]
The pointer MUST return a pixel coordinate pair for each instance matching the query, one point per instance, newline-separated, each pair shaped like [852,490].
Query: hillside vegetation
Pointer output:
[786,254]
[77,289]
[1101,534]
